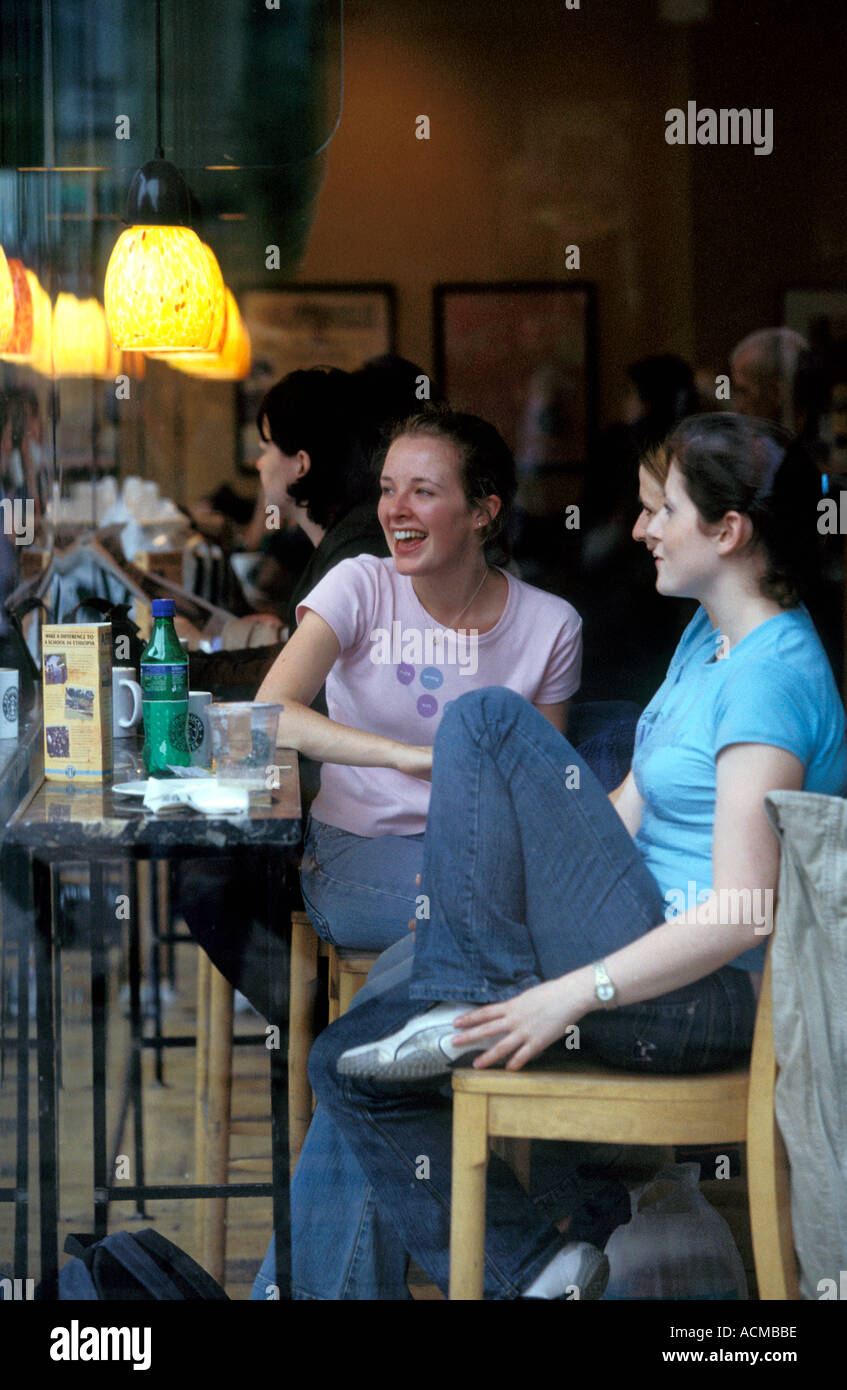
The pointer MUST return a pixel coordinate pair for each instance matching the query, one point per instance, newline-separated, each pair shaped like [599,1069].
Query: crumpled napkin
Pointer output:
[204,794]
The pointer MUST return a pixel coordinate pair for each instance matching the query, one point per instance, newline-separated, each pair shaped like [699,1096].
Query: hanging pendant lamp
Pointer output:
[40,357]
[7,302]
[159,292]
[81,343]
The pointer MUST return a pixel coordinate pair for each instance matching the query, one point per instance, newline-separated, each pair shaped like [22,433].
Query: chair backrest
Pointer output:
[767,1164]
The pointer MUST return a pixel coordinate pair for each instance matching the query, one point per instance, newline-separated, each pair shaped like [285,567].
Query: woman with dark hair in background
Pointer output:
[313,475]
[640,917]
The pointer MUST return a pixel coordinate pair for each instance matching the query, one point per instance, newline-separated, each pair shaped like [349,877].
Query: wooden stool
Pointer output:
[599,1104]
[348,970]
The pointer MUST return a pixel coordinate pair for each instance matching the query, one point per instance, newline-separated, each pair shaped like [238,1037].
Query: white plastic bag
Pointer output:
[676,1246]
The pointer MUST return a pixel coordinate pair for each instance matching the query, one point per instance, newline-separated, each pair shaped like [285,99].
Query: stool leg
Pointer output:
[99,999]
[136,1033]
[219,1115]
[467,1200]
[349,984]
[301,1033]
[334,986]
[201,1095]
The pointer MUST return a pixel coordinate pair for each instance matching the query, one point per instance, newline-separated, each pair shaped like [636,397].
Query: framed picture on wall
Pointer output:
[521,354]
[820,315]
[308,325]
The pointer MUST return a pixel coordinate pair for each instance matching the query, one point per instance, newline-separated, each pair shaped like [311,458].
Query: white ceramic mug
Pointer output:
[9,687]
[126,701]
[199,737]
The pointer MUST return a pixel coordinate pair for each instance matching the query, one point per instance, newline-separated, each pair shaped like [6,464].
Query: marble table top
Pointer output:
[67,819]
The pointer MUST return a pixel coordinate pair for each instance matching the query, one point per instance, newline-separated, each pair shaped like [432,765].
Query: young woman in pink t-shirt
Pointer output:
[396,641]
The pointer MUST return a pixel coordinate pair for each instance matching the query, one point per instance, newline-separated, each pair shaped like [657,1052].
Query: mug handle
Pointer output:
[135,689]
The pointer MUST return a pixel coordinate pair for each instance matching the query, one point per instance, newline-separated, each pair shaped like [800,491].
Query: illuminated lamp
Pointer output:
[41,354]
[7,302]
[20,344]
[81,344]
[218,334]
[160,289]
[232,363]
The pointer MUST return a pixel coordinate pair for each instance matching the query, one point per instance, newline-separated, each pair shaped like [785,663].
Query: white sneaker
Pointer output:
[419,1049]
[579,1270]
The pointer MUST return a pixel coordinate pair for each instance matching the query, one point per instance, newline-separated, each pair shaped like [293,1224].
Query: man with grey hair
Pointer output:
[764,373]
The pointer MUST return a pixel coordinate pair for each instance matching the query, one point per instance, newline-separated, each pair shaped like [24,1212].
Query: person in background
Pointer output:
[765,367]
[379,394]
[313,476]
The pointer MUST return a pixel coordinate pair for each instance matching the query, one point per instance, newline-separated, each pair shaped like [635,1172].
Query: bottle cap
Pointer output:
[163,608]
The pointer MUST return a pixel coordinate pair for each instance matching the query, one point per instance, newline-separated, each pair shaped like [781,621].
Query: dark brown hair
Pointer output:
[735,463]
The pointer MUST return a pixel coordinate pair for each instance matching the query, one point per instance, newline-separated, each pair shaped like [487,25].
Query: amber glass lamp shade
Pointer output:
[218,334]
[7,302]
[160,293]
[162,286]
[81,344]
[19,345]
[233,361]
[41,355]
[175,357]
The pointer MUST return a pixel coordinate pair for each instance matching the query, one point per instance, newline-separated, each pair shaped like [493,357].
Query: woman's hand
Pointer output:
[525,1025]
[414,760]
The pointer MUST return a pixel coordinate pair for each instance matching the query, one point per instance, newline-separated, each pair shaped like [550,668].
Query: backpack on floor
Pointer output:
[144,1266]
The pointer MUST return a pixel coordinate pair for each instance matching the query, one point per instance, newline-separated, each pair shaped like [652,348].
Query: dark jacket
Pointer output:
[358,533]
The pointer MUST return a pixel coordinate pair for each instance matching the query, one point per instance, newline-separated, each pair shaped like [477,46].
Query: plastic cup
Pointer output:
[244,742]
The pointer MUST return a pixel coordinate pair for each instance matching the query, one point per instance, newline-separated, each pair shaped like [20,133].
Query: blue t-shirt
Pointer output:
[775,687]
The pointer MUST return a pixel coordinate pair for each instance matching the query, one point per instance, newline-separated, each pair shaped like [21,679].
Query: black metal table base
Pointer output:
[47,1044]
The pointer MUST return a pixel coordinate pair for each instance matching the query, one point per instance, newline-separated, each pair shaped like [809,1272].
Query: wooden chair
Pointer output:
[348,972]
[594,1103]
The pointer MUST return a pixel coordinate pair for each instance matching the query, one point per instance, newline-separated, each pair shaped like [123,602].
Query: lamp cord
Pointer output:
[160,149]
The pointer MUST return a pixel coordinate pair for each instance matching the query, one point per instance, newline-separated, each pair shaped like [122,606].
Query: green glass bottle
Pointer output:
[164,695]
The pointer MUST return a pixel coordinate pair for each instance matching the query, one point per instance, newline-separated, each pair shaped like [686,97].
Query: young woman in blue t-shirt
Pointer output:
[640,917]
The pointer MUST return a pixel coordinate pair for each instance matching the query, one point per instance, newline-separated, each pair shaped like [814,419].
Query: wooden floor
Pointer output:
[169,1132]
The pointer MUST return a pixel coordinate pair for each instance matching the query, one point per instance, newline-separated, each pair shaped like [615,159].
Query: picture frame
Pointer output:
[522,355]
[820,314]
[309,325]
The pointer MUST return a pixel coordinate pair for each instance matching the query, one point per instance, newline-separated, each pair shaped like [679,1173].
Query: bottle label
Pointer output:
[164,680]
[165,735]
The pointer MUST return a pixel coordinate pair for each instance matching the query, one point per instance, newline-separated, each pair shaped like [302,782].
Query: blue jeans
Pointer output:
[538,878]
[356,1201]
[359,892]
[344,1246]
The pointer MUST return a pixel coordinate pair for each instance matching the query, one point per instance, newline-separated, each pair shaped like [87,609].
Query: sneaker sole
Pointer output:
[417,1066]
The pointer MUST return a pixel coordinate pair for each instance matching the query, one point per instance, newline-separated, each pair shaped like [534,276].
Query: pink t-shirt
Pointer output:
[398,670]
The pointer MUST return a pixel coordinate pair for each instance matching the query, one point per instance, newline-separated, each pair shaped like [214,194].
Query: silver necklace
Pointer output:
[470,600]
